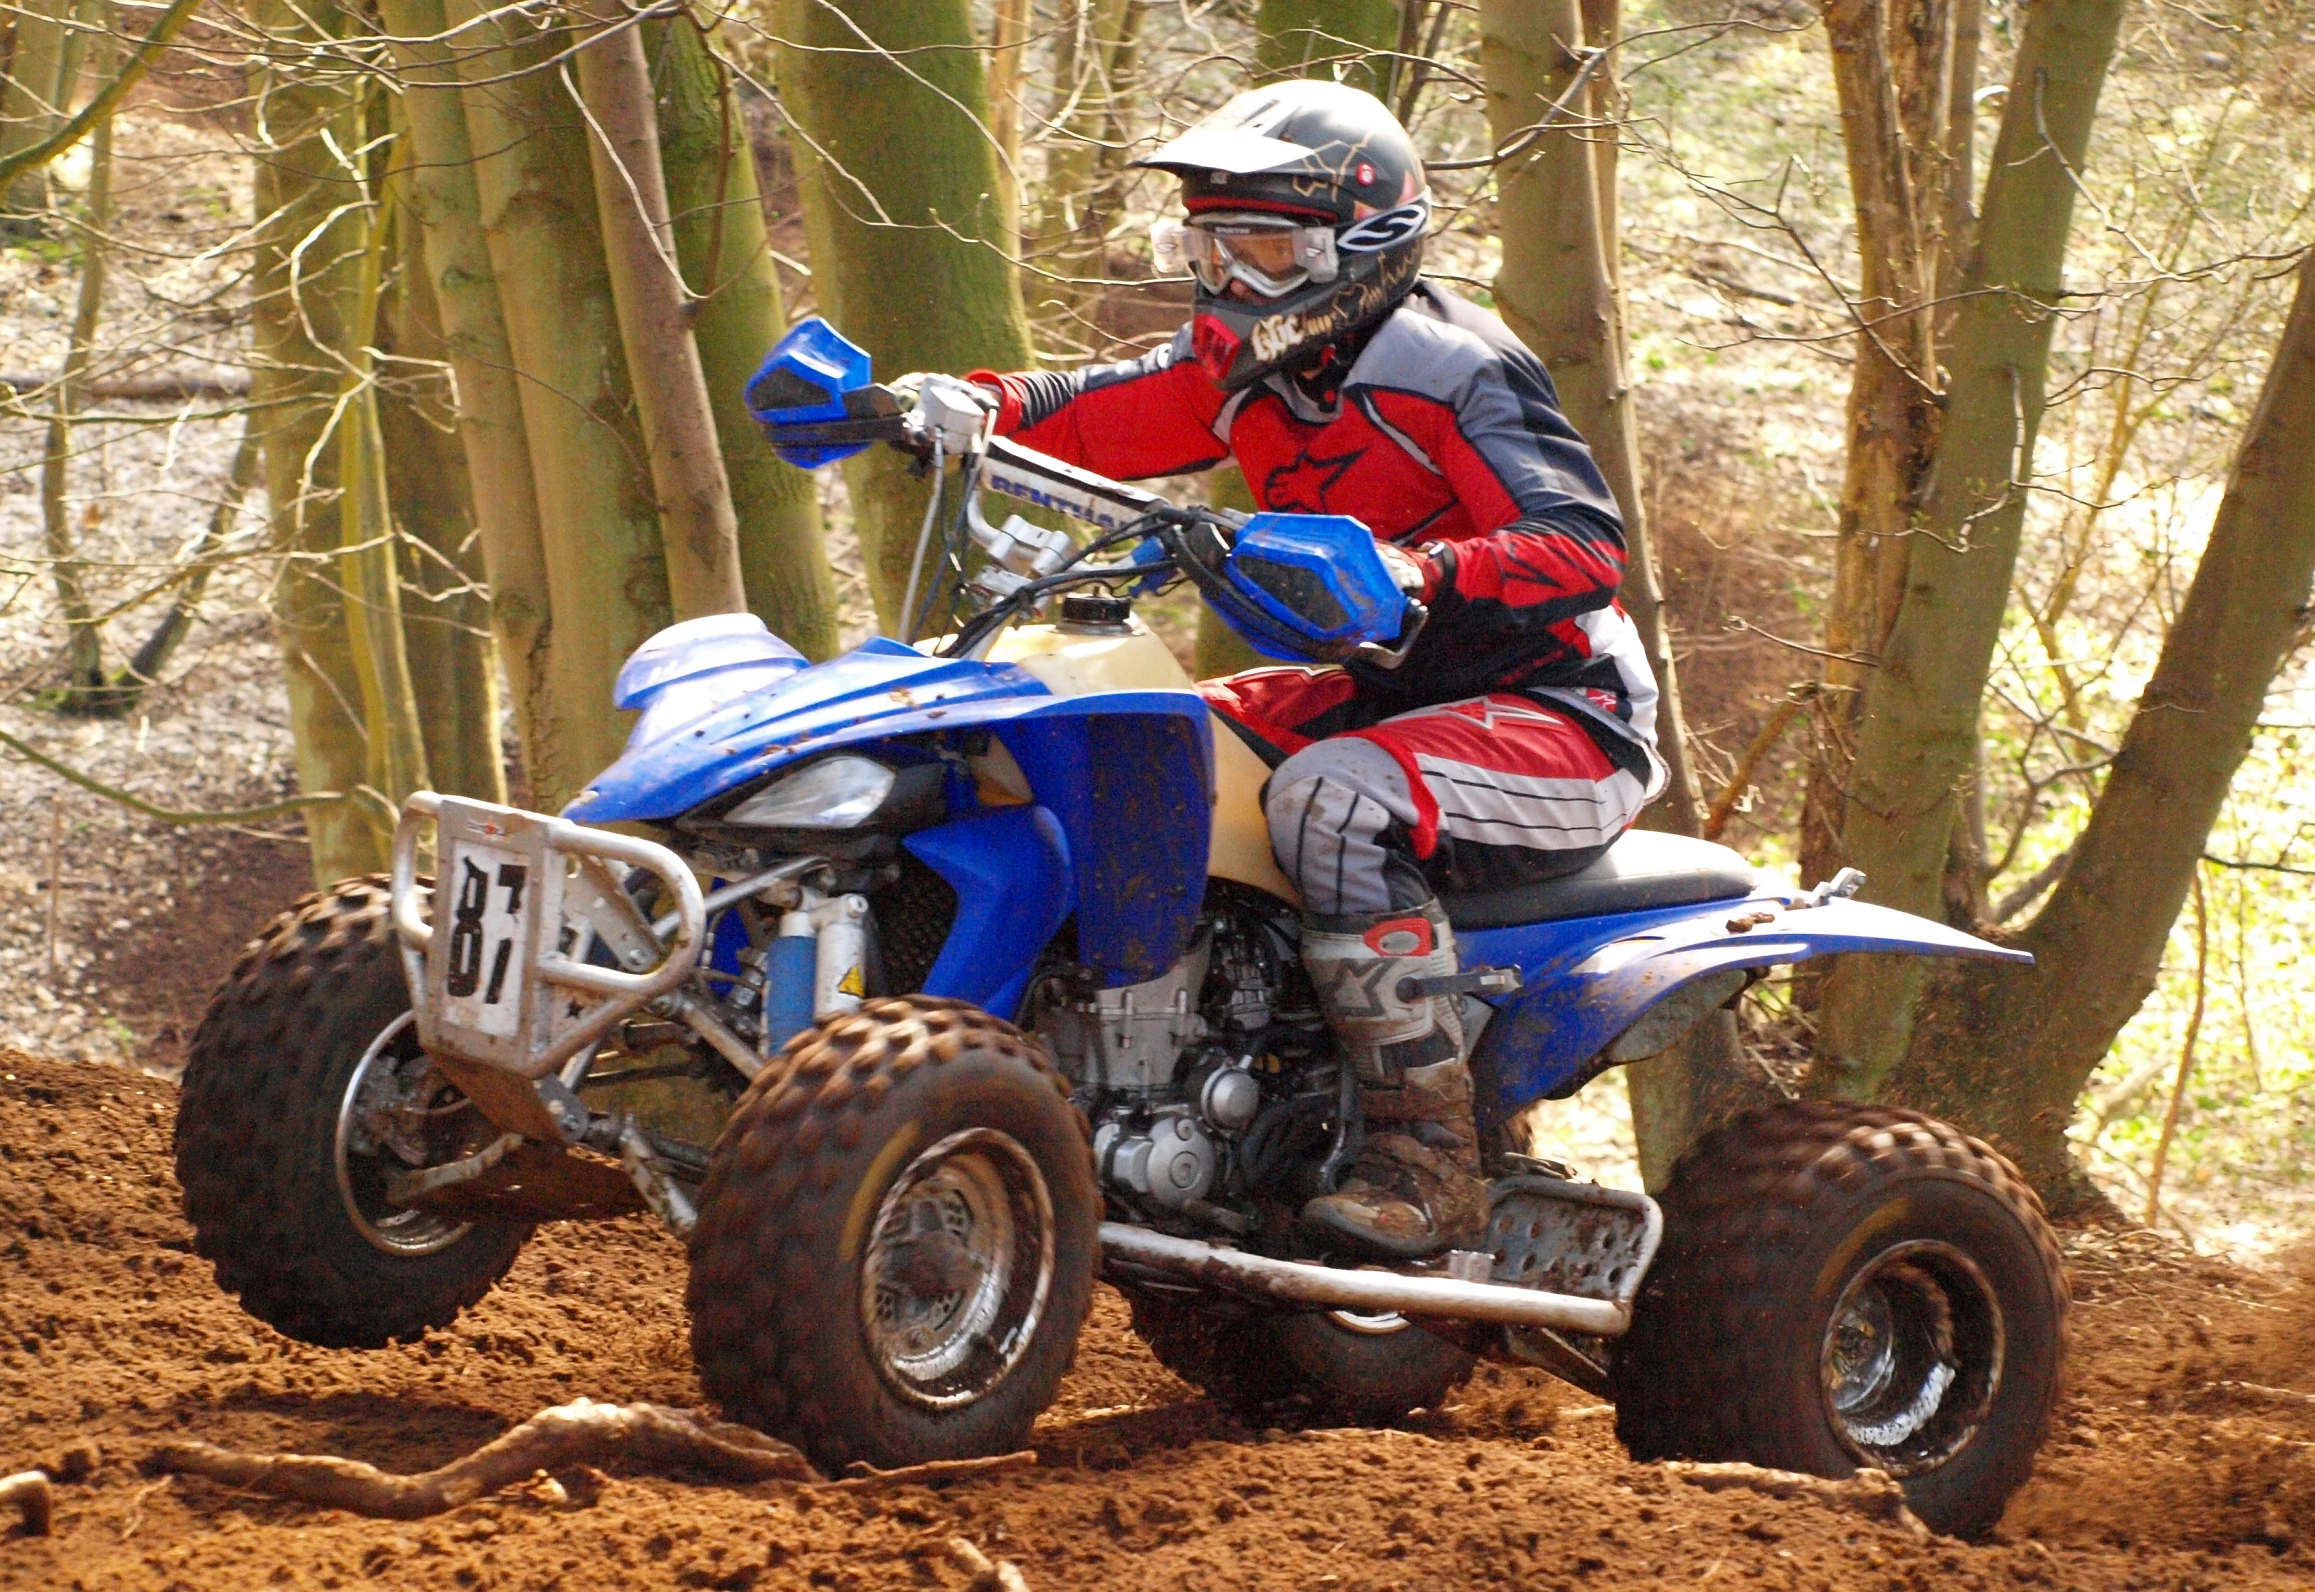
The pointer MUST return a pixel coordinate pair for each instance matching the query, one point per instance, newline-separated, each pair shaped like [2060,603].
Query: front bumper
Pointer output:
[546,948]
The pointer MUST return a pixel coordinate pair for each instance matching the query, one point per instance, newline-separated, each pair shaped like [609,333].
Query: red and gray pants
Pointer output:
[1373,811]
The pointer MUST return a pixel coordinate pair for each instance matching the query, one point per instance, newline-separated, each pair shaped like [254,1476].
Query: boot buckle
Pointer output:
[1472,981]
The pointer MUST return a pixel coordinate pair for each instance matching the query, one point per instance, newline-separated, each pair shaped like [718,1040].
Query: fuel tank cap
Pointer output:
[1092,614]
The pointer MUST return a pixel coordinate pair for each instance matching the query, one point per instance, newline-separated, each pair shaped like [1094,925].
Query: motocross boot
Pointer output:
[1414,1188]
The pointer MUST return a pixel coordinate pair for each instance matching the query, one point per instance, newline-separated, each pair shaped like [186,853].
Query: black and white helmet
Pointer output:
[1311,194]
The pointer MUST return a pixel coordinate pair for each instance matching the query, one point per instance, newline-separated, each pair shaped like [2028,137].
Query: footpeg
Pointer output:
[1572,1238]
[1472,981]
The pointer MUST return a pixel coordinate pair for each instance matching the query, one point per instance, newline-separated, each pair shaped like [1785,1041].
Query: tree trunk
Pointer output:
[32,94]
[1221,650]
[1008,39]
[370,566]
[1557,291]
[1892,70]
[85,688]
[1120,50]
[606,582]
[1696,1086]
[2006,1051]
[726,255]
[699,536]
[1967,864]
[907,233]
[160,646]
[1093,50]
[445,603]
[302,312]
[1958,239]
[442,197]
[370,544]
[1917,744]
[1326,38]
[1605,102]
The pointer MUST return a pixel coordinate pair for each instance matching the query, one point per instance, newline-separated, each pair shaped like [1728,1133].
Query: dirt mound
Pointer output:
[2192,1415]
[2167,1471]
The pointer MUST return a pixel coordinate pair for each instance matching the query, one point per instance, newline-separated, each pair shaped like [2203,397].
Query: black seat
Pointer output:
[1645,868]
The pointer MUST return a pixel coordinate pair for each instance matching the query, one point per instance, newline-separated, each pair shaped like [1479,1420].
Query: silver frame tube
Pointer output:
[1333,1288]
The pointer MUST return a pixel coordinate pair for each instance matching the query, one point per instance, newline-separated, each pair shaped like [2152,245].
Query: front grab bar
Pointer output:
[539,1030]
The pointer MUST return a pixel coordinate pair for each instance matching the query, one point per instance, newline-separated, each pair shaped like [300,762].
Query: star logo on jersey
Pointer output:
[1301,487]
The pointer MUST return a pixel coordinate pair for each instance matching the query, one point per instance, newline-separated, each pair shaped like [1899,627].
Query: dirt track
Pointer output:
[112,1334]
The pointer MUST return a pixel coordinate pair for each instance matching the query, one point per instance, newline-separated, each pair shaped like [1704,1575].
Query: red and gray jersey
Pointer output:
[1444,435]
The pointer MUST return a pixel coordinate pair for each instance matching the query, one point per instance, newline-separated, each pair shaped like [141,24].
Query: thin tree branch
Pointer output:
[1795,700]
[71,133]
[373,804]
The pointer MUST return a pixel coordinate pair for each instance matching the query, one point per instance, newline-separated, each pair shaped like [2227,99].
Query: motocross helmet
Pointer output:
[1308,192]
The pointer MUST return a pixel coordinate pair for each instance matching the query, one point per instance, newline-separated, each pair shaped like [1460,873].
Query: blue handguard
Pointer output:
[1300,587]
[814,398]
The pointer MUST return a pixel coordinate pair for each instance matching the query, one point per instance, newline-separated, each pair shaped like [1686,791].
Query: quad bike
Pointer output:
[975,964]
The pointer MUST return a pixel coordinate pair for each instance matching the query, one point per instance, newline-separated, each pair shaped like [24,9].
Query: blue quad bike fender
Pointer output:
[1588,982]
[1122,784]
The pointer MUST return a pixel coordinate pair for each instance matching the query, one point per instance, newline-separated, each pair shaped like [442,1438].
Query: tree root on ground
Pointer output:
[1872,1493]
[582,1431]
[27,1492]
[988,1575]
[2260,1393]
[860,1474]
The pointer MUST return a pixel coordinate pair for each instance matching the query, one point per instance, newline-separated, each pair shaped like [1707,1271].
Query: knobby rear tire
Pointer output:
[1748,1335]
[256,1139]
[852,1147]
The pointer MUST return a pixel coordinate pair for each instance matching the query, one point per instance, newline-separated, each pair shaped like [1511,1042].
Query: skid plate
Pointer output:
[515,1180]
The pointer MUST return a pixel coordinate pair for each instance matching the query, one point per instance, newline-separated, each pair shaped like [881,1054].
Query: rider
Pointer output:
[1518,738]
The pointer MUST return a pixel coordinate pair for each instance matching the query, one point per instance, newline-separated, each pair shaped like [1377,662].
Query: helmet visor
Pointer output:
[1268,255]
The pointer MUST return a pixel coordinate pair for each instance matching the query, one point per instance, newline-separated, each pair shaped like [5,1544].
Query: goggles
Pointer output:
[1269,255]
[1272,255]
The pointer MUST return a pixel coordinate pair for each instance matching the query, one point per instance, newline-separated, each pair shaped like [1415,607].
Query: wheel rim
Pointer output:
[361,1172]
[1369,1323]
[958,1267]
[1912,1357]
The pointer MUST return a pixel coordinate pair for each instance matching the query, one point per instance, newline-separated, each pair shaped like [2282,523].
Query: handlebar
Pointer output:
[1025,563]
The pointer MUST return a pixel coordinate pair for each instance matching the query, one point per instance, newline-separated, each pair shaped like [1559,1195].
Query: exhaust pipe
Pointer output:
[1329,1287]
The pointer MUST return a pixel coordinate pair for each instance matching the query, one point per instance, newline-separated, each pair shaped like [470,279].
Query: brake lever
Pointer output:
[1383,657]
[1199,537]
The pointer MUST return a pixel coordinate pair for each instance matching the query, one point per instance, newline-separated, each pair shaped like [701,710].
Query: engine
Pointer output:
[1189,1078]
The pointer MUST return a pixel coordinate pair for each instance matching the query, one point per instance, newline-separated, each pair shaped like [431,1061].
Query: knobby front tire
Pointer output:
[897,1239]
[286,1201]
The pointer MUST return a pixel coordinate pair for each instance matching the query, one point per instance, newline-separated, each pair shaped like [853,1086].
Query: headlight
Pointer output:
[834,793]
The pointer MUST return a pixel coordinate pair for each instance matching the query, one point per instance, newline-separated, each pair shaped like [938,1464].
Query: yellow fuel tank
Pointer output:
[1077,661]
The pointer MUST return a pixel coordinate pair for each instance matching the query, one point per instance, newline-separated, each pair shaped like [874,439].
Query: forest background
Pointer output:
[372,384]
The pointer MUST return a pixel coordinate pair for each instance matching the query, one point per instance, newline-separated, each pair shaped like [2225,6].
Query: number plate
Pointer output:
[491,894]
[515,897]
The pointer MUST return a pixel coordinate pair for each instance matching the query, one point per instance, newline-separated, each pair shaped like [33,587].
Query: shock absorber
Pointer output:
[840,973]
[815,967]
